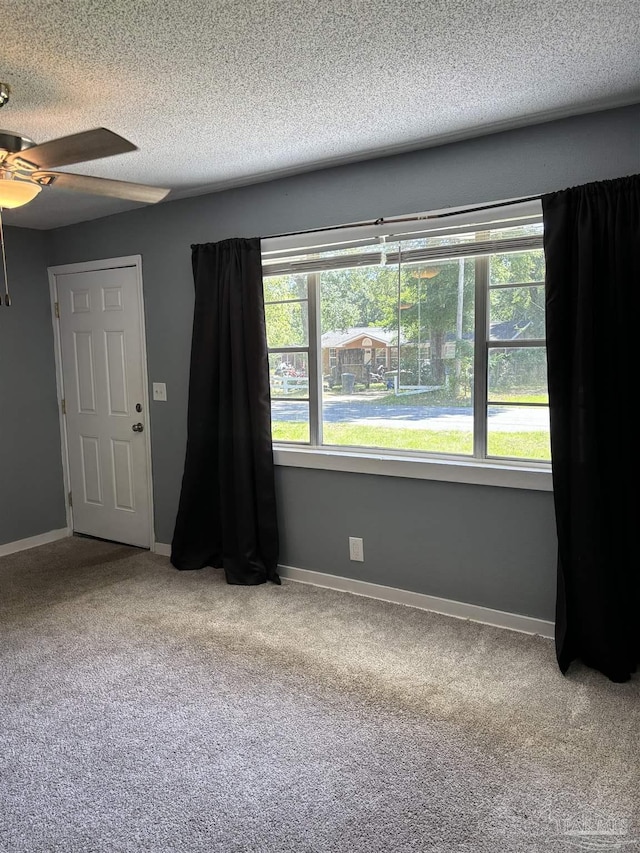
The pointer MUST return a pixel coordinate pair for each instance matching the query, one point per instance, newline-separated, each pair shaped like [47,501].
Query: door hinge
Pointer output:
[63,405]
[70,499]
[57,309]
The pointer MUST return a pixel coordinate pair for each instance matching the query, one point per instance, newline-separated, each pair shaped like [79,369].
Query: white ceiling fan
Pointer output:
[26,167]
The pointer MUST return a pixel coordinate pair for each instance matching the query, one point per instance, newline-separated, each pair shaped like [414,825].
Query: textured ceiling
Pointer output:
[228,91]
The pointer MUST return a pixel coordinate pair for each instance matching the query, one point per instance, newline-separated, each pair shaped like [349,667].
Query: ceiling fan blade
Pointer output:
[101,186]
[77,148]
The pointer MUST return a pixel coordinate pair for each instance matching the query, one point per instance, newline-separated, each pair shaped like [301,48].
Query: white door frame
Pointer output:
[91,266]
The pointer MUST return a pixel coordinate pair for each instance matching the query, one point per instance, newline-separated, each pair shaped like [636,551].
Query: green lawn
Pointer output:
[522,445]
[515,397]
[437,397]
[441,397]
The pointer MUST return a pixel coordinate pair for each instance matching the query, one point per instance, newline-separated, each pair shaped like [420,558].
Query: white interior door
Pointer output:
[106,402]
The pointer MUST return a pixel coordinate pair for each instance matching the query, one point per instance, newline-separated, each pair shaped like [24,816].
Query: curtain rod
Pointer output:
[383,221]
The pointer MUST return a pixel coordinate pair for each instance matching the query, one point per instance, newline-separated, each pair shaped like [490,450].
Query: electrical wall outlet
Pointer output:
[356,549]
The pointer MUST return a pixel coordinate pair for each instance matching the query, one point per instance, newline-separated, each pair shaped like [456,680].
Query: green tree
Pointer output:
[522,306]
[522,309]
[359,296]
[436,306]
[287,321]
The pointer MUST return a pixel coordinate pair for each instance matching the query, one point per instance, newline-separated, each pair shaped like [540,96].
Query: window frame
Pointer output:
[479,468]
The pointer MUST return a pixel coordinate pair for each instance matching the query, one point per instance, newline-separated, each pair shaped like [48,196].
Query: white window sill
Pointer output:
[511,475]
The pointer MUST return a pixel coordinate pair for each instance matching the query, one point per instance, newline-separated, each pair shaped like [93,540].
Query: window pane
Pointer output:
[289,374]
[357,297]
[285,287]
[287,324]
[290,421]
[418,399]
[518,375]
[517,267]
[517,312]
[520,432]
[436,328]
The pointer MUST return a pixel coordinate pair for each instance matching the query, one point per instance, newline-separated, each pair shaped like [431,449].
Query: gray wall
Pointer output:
[31,489]
[489,546]
[482,544]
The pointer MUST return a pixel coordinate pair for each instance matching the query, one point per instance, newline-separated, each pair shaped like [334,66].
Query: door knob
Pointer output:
[137,427]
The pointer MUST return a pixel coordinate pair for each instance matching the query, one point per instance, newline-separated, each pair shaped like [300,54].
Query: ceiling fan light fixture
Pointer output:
[25,165]
[16,193]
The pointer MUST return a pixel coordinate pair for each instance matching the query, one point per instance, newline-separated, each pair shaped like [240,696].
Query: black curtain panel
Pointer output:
[592,249]
[227,512]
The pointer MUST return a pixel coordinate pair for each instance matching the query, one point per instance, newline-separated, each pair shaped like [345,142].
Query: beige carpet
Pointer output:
[144,709]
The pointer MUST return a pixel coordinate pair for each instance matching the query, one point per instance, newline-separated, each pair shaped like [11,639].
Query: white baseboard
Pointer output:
[34,541]
[457,609]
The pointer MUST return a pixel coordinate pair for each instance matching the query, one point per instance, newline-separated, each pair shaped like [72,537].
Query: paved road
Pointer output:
[370,413]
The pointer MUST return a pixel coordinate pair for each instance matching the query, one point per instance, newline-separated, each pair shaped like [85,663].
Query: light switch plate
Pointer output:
[160,392]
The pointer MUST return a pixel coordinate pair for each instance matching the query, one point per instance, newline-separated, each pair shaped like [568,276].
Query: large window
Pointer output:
[422,343]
